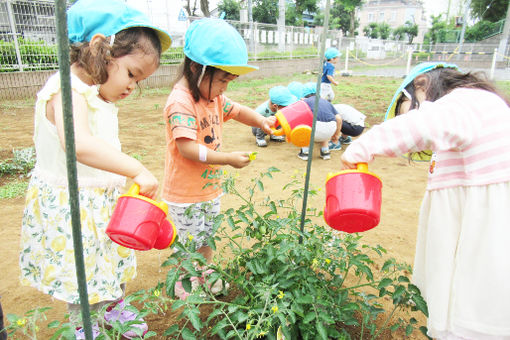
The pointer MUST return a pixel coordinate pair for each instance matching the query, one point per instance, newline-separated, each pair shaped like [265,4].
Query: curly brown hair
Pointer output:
[95,59]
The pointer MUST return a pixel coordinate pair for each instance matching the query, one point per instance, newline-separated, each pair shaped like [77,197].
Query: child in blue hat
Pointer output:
[279,97]
[296,88]
[328,125]
[196,109]
[113,48]
[328,74]
[462,261]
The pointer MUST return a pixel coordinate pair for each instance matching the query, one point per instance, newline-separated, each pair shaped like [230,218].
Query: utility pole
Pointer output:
[252,33]
[504,36]
[464,22]
[281,25]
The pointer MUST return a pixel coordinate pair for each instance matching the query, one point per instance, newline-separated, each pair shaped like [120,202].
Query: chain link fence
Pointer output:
[28,42]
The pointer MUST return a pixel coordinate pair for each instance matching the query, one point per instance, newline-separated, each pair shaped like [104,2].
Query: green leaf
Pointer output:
[260,185]
[310,316]
[322,330]
[171,330]
[421,305]
[409,330]
[384,283]
[187,334]
[304,299]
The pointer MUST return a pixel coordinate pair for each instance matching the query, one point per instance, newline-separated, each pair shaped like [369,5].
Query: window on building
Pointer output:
[370,17]
[393,16]
[381,16]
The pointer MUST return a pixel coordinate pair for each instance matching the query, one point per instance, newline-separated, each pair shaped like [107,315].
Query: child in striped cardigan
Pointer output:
[462,261]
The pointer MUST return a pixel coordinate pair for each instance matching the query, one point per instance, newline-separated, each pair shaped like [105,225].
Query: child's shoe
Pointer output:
[346,141]
[261,142]
[79,333]
[302,155]
[334,146]
[118,312]
[325,154]
[277,138]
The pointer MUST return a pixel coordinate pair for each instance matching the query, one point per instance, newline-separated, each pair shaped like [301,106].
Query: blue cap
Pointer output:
[214,42]
[280,95]
[87,18]
[331,53]
[415,72]
[296,88]
[309,88]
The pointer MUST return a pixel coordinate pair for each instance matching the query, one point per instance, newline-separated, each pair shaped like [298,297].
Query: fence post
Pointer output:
[409,57]
[14,34]
[493,66]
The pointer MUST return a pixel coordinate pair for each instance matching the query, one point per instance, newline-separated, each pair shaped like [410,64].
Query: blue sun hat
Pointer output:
[422,156]
[296,88]
[280,95]
[309,88]
[331,53]
[415,72]
[214,42]
[87,18]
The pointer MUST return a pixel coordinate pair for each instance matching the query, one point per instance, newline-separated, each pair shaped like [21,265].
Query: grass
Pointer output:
[13,189]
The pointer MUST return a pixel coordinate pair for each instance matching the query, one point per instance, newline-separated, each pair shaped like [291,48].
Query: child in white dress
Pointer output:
[113,48]
[462,261]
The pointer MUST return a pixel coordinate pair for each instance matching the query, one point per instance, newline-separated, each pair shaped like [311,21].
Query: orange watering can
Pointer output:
[353,200]
[295,121]
[140,223]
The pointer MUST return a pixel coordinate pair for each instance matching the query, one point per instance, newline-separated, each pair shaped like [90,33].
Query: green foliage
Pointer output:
[482,30]
[22,162]
[489,10]
[13,189]
[231,9]
[35,55]
[174,55]
[309,284]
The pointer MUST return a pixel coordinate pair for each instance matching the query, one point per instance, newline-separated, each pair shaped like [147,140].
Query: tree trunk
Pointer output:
[352,23]
[204,6]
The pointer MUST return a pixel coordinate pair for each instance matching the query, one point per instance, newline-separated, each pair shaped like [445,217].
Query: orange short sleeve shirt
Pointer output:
[202,121]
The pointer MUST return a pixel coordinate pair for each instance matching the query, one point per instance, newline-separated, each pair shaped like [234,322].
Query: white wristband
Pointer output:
[202,153]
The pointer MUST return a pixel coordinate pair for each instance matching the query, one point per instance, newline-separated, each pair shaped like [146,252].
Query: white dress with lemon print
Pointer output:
[47,252]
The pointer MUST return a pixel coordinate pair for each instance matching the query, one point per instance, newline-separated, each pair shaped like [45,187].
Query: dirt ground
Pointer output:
[142,133]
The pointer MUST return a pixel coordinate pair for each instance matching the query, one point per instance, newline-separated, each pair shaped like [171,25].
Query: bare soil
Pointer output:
[142,134]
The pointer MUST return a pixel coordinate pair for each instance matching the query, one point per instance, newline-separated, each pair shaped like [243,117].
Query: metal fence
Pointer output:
[28,42]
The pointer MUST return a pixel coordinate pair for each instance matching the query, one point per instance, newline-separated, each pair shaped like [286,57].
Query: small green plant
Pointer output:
[13,189]
[306,284]
[23,162]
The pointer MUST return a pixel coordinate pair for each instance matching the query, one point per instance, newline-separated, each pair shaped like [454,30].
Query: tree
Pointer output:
[350,6]
[192,8]
[411,30]
[384,30]
[372,30]
[438,26]
[489,10]
[231,8]
[265,11]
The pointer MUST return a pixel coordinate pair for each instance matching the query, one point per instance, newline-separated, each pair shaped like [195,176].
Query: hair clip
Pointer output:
[408,96]
[112,39]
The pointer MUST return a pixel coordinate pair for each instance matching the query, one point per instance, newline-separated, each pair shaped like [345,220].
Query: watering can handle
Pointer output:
[134,190]
[277,132]
[362,167]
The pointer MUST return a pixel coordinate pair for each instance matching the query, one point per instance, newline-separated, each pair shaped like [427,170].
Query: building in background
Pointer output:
[395,13]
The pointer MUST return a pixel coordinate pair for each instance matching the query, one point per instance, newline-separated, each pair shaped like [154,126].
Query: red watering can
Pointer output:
[353,200]
[296,123]
[140,223]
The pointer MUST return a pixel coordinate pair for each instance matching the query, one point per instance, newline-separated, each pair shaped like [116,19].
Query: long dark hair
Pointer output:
[95,59]
[441,81]
[190,71]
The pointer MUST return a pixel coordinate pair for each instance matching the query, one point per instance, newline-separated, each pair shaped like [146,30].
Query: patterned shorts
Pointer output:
[194,219]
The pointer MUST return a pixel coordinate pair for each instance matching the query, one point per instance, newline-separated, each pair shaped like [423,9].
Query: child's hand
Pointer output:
[335,138]
[239,159]
[267,122]
[346,164]
[147,182]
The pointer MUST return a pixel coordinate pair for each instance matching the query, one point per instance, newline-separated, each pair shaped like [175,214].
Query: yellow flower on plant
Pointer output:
[252,155]
[156,292]
[315,262]
[248,326]
[281,294]
[21,322]
[328,261]
[261,334]
[274,309]
[190,237]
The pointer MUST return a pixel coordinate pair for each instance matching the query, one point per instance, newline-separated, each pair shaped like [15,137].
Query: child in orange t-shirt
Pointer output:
[215,54]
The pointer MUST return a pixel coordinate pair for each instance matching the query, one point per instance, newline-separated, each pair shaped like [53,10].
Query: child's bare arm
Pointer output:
[338,131]
[95,152]
[190,149]
[332,80]
[253,118]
